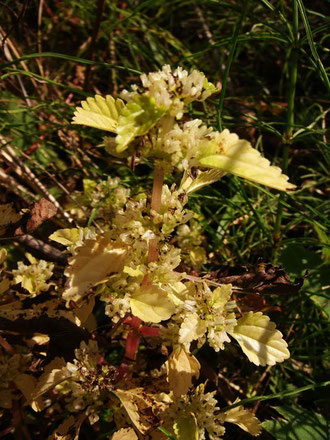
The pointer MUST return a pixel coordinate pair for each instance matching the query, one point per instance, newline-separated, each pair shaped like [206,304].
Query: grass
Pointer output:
[270,58]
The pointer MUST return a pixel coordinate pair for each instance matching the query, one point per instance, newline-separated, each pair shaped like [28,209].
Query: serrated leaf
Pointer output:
[182,367]
[192,328]
[136,119]
[139,406]
[238,157]
[67,236]
[99,112]
[245,419]
[191,184]
[152,304]
[96,260]
[185,427]
[125,434]
[259,339]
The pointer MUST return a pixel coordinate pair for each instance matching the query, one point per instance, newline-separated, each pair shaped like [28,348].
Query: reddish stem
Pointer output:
[133,338]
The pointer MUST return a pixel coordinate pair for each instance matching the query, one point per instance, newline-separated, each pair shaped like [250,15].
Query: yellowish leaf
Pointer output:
[259,339]
[67,236]
[152,304]
[125,434]
[182,367]
[96,260]
[192,328]
[69,429]
[140,408]
[185,427]
[245,419]
[99,112]
[190,184]
[236,156]
[221,295]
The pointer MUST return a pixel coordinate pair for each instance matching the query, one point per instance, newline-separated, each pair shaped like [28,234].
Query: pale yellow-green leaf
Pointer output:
[136,119]
[133,272]
[259,339]
[152,304]
[140,408]
[185,427]
[125,434]
[96,260]
[238,157]
[182,367]
[99,112]
[190,184]
[221,296]
[192,328]
[245,419]
[67,236]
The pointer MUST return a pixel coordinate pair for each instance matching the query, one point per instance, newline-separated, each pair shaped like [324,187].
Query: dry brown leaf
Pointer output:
[53,374]
[41,211]
[140,407]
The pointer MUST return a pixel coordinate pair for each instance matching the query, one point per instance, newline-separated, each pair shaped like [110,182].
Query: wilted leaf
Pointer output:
[26,384]
[185,427]
[262,278]
[99,113]
[238,157]
[182,367]
[140,407]
[95,261]
[152,304]
[245,419]
[125,434]
[69,429]
[136,119]
[260,340]
[54,373]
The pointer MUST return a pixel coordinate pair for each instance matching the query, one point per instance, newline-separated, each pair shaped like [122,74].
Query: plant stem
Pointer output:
[156,200]
[133,338]
[287,136]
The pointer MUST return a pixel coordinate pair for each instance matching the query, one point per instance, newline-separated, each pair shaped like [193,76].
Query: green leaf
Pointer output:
[299,424]
[152,304]
[99,112]
[185,427]
[136,119]
[259,339]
